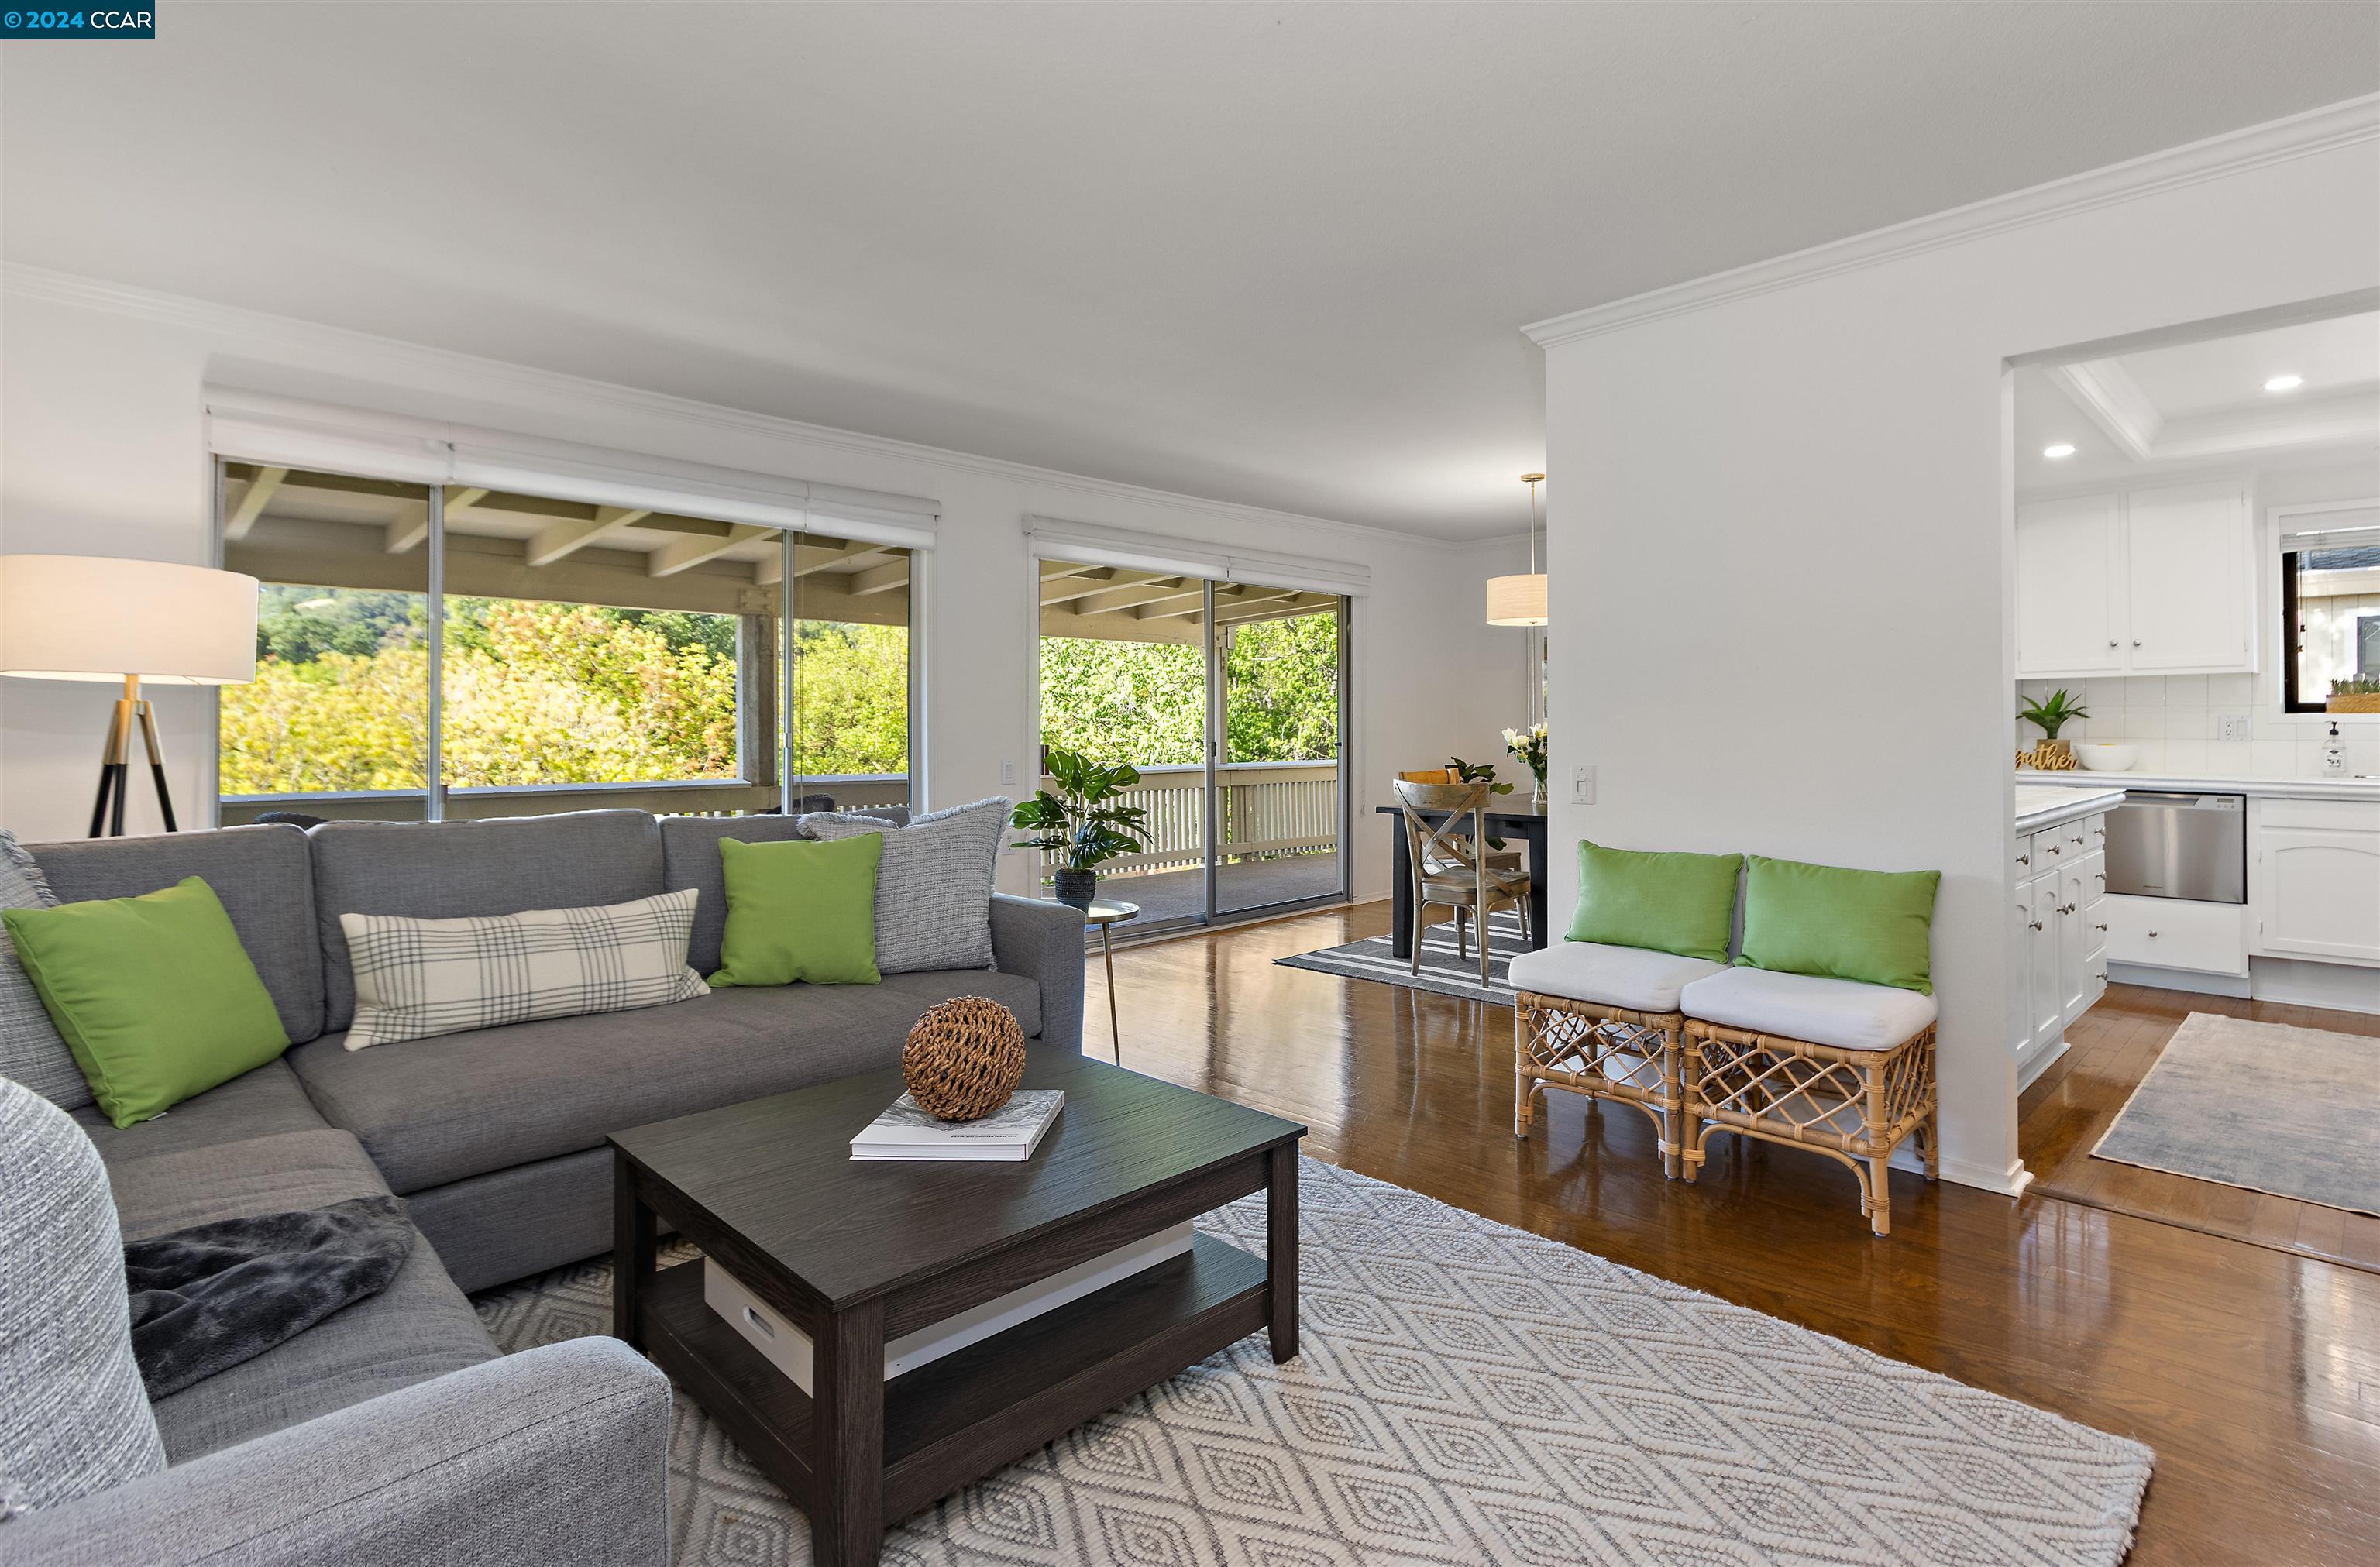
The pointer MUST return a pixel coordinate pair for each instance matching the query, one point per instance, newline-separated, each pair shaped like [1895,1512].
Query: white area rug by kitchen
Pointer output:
[2266,1106]
[1470,1393]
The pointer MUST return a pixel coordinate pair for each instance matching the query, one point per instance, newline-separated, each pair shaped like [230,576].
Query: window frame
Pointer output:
[759,763]
[2281,518]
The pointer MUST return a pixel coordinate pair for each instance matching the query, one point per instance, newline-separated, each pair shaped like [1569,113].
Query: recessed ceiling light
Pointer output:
[2285,383]
[2063,449]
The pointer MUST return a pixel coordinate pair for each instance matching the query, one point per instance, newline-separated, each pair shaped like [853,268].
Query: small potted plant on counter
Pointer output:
[2053,713]
[2357,693]
[1529,746]
[1081,822]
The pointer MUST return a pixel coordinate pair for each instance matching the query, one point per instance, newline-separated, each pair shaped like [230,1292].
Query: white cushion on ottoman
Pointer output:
[1842,1012]
[1636,978]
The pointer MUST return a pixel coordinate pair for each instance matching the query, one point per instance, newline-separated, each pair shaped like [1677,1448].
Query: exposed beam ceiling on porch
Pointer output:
[252,503]
[1226,600]
[880,579]
[670,559]
[562,537]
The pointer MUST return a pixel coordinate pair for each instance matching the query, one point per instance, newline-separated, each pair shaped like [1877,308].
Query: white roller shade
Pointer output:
[2346,527]
[1054,538]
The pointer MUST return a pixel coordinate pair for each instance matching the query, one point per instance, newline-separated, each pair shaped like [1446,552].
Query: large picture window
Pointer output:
[537,655]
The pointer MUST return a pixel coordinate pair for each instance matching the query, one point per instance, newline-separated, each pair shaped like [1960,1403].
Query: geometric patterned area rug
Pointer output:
[1465,1392]
[2264,1106]
[1443,969]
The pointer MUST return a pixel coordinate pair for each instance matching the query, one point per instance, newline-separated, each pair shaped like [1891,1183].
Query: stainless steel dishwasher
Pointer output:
[2170,843]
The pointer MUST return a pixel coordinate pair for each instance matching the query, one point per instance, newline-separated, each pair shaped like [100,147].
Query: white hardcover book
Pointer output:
[1010,1132]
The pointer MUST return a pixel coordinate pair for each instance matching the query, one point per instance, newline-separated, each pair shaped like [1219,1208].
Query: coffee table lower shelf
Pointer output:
[955,1420]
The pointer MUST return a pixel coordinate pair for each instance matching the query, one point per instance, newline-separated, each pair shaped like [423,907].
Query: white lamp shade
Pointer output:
[88,617]
[1517,600]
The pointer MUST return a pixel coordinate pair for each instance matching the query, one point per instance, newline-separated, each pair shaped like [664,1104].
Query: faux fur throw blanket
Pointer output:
[206,1298]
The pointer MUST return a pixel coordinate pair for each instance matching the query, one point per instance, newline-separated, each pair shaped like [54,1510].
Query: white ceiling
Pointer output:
[2204,405]
[1276,254]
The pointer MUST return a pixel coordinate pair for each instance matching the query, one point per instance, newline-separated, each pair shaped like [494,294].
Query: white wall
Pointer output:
[1781,535]
[102,452]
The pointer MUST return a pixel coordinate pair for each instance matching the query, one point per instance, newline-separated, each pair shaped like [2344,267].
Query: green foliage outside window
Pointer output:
[852,711]
[534,693]
[1146,702]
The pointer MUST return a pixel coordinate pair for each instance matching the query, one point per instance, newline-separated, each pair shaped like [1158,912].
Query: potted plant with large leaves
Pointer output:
[1083,821]
[2052,713]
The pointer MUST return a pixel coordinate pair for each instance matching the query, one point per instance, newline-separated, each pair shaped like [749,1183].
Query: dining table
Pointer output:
[1521,822]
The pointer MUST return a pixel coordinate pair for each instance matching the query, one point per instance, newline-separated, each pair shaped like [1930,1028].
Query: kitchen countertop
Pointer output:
[2040,804]
[2266,788]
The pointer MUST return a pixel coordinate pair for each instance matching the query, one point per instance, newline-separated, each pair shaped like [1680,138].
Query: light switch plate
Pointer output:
[1007,772]
[1582,786]
[2231,726]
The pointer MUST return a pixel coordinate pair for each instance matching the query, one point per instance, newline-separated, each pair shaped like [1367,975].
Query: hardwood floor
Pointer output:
[2254,1373]
[2111,1047]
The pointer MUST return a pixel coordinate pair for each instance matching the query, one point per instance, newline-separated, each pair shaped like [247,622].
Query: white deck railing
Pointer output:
[1268,807]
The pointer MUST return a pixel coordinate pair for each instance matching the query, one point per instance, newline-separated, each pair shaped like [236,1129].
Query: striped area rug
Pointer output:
[1442,969]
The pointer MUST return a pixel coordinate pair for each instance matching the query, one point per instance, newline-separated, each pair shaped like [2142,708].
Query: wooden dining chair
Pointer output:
[1450,867]
[1498,858]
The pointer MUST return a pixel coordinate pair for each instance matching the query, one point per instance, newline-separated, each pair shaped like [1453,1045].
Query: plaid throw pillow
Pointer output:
[420,978]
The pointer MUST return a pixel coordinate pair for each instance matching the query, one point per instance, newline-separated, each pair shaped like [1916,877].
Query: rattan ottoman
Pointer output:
[1603,1021]
[1856,1094]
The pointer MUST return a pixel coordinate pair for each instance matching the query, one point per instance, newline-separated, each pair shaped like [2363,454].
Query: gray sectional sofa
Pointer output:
[393,1431]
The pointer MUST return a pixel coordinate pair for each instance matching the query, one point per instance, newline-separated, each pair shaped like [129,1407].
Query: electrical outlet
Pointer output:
[2231,726]
[1582,786]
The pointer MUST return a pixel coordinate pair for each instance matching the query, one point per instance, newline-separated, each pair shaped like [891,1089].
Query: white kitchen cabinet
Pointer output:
[2315,879]
[2057,893]
[2043,981]
[2155,580]
[2068,559]
[2178,933]
[2187,555]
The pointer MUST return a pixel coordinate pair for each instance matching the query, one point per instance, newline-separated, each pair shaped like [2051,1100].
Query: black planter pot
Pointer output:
[1077,888]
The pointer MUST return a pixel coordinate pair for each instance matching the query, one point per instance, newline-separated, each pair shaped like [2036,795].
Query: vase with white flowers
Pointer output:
[1529,746]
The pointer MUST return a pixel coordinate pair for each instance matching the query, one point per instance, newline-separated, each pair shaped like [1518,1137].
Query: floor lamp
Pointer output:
[87,617]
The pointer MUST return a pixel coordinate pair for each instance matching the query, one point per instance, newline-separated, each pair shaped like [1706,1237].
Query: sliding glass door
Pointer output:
[1277,673]
[1227,698]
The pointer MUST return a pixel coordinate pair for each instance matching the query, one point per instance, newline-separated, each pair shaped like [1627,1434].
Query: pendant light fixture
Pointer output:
[1521,600]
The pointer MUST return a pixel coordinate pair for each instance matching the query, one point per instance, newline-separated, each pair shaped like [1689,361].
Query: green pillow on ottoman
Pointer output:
[799,910]
[155,995]
[1873,926]
[1670,903]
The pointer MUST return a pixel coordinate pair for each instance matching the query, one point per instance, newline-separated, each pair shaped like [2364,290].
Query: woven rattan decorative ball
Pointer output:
[964,1059]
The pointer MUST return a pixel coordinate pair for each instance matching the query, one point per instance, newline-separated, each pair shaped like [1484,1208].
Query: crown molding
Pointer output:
[263,328]
[2315,131]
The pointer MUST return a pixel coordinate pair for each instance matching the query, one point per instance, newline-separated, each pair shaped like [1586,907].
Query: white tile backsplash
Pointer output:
[2176,721]
[2231,690]
[2273,758]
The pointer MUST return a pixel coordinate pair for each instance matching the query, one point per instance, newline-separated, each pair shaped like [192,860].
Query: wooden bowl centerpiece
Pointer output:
[964,1058]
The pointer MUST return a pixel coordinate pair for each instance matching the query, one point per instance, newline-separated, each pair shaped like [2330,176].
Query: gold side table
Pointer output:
[1106,916]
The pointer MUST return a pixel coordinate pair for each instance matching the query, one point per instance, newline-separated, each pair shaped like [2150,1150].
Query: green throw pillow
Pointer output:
[1873,926]
[799,910]
[1670,903]
[155,995]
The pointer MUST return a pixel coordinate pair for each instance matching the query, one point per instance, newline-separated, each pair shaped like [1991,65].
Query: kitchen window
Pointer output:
[2330,602]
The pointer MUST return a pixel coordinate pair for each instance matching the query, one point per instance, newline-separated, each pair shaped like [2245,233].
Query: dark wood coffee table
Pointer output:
[857,1252]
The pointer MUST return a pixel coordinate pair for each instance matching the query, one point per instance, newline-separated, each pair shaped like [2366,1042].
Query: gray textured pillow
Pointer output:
[75,1418]
[933,886]
[31,1051]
